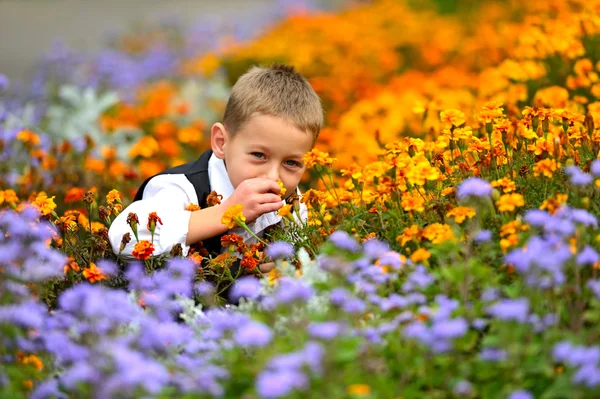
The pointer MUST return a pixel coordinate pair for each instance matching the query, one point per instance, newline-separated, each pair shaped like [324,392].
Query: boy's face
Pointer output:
[265,146]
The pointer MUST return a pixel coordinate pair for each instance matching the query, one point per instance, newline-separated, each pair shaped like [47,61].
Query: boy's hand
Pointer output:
[257,196]
[266,267]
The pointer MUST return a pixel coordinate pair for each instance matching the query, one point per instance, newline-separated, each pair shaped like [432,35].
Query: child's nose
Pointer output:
[272,173]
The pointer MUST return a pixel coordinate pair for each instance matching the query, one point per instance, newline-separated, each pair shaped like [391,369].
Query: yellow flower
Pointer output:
[545,167]
[438,233]
[316,157]
[452,117]
[285,210]
[460,213]
[28,137]
[113,196]
[10,196]
[509,202]
[506,184]
[412,202]
[358,389]
[420,254]
[233,216]
[282,190]
[44,204]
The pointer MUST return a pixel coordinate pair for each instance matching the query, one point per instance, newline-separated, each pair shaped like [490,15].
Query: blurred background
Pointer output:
[30,29]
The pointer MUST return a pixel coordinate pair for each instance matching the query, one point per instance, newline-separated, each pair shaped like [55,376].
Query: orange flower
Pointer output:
[10,196]
[546,167]
[285,211]
[316,157]
[437,233]
[34,361]
[452,117]
[412,202]
[196,258]
[248,262]
[192,207]
[508,202]
[153,219]
[146,147]
[234,241]
[233,216]
[358,389]
[28,137]
[460,213]
[93,273]
[71,265]
[420,254]
[113,196]
[74,194]
[143,250]
[213,198]
[44,204]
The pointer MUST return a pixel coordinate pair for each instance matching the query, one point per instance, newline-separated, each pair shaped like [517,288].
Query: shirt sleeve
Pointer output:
[168,196]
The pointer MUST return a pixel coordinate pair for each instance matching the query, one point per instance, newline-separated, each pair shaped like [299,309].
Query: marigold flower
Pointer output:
[233,216]
[248,262]
[409,234]
[113,196]
[420,254]
[213,198]
[71,265]
[316,157]
[133,221]
[44,204]
[452,117]
[358,389]
[509,202]
[554,203]
[124,241]
[153,219]
[93,273]
[438,233]
[546,167]
[412,202]
[285,210]
[28,137]
[460,213]
[282,190]
[143,250]
[196,258]
[506,184]
[192,207]
[34,361]
[74,194]
[233,240]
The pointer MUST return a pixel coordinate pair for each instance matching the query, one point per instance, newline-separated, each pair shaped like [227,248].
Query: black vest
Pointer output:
[197,173]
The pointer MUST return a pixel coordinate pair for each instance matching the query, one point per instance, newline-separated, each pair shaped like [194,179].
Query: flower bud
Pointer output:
[495,194]
[570,162]
[585,202]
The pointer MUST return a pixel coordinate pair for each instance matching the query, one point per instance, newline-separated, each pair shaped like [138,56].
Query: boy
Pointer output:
[272,118]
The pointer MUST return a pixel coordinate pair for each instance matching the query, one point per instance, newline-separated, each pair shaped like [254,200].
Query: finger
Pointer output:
[269,207]
[263,185]
[267,267]
[268,198]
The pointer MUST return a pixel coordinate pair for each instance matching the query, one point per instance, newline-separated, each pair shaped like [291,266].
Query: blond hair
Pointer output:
[276,91]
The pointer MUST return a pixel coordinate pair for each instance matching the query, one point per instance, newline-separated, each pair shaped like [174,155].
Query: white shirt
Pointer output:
[168,196]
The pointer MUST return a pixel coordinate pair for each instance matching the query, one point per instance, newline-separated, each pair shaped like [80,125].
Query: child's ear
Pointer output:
[218,138]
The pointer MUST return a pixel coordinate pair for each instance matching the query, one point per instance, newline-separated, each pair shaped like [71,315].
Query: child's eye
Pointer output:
[292,163]
[258,155]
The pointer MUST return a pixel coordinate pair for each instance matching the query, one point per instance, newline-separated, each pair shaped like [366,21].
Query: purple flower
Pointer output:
[581,216]
[474,187]
[280,383]
[374,248]
[521,394]
[588,256]
[594,285]
[253,334]
[537,217]
[325,330]
[4,82]
[588,375]
[492,354]
[578,177]
[510,309]
[391,259]
[463,388]
[449,329]
[48,389]
[280,250]
[418,278]
[204,288]
[342,240]
[479,324]
[595,168]
[482,236]
[246,287]
[292,290]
